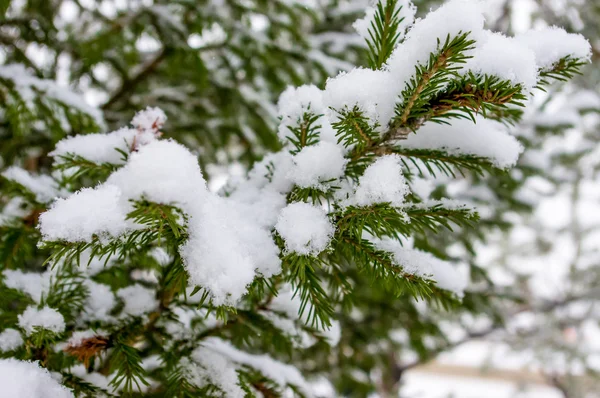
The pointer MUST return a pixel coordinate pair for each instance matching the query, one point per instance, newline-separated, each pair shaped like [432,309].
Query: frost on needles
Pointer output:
[227,281]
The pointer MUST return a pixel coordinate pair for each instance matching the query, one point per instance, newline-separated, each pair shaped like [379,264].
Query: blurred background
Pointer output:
[530,322]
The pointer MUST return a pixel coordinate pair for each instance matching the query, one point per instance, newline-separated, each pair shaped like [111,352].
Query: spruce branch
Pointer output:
[430,78]
[384,33]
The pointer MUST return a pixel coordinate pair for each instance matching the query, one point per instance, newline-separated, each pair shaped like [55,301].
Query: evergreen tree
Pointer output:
[124,274]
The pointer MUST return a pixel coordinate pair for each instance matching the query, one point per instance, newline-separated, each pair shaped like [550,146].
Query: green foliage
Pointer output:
[384,33]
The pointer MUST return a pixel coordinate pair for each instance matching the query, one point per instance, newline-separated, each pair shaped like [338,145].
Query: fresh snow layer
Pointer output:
[294,102]
[305,228]
[451,19]
[485,138]
[211,367]
[316,164]
[88,212]
[228,244]
[22,379]
[424,264]
[139,300]
[551,44]
[504,57]
[33,284]
[97,148]
[374,92]
[44,318]
[382,182]
[10,339]
[282,374]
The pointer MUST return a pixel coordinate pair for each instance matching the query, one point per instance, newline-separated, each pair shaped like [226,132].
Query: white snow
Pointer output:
[150,119]
[99,302]
[31,283]
[451,19]
[43,187]
[294,102]
[551,44]
[212,367]
[139,300]
[10,339]
[504,57]
[97,148]
[162,172]
[485,138]
[424,264]
[316,164]
[374,92]
[88,212]
[23,379]
[280,373]
[44,318]
[228,245]
[305,228]
[382,182]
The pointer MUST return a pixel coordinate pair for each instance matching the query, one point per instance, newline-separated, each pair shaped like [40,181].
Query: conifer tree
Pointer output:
[123,274]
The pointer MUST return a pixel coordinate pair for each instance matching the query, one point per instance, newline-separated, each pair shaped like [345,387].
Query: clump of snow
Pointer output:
[44,318]
[316,164]
[294,102]
[10,339]
[282,374]
[228,244]
[504,57]
[210,367]
[138,300]
[451,19]
[551,44]
[405,9]
[485,138]
[88,212]
[97,148]
[162,172]
[374,92]
[226,249]
[31,283]
[150,119]
[305,228]
[43,187]
[23,379]
[99,302]
[382,182]
[424,264]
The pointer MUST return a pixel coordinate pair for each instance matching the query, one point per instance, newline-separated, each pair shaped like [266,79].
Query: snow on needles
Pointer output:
[227,245]
[43,187]
[382,182]
[485,138]
[316,164]
[44,318]
[504,57]
[552,44]
[280,373]
[23,379]
[424,264]
[305,228]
